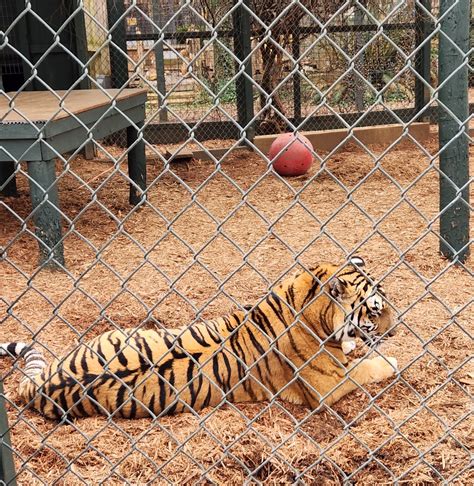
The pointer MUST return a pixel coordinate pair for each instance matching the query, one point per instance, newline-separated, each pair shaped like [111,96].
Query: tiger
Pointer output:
[286,346]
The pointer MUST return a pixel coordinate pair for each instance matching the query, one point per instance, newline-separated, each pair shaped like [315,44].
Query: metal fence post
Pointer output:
[81,40]
[453,115]
[7,466]
[159,60]
[360,40]
[118,51]
[423,57]
[242,50]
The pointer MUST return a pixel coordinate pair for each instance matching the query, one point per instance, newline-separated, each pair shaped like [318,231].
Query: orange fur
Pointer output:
[275,350]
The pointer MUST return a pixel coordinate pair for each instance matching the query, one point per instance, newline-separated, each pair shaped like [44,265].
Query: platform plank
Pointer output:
[41,106]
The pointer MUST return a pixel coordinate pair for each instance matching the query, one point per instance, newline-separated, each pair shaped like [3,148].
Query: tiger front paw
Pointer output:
[384,367]
[348,346]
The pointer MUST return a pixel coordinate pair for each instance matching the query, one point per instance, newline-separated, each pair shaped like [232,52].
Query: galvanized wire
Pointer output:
[346,42]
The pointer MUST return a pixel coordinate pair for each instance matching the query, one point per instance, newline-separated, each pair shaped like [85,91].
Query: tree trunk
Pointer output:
[271,58]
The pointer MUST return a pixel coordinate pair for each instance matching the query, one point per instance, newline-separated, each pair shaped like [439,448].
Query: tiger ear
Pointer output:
[337,288]
[357,261]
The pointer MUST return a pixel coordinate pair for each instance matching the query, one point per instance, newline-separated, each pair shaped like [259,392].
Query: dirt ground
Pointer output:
[207,239]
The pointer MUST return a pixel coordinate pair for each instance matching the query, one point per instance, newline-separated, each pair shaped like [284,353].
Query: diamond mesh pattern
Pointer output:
[216,233]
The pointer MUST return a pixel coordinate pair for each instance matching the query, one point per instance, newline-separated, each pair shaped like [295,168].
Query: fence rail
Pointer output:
[173,133]
[422,28]
[137,192]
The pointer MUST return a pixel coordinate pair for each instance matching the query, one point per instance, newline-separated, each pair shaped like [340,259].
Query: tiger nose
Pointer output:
[392,332]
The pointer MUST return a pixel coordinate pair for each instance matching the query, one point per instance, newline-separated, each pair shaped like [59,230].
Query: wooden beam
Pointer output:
[327,140]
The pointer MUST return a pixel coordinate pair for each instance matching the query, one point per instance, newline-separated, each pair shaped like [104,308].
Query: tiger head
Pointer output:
[354,306]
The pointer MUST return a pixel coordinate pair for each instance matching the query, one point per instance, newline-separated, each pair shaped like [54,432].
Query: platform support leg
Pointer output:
[136,163]
[46,213]
[7,179]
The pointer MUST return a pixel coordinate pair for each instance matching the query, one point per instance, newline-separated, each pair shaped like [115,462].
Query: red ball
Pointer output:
[291,154]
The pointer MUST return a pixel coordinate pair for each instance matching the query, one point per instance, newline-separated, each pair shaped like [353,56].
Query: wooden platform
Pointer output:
[38,126]
[47,106]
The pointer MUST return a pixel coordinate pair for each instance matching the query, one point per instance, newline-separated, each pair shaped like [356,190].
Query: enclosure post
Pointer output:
[453,139]
[296,52]
[7,466]
[7,171]
[242,50]
[423,24]
[360,40]
[159,61]
[118,47]
[81,45]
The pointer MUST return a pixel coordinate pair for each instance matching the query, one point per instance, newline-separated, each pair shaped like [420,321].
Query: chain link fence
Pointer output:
[212,227]
[318,92]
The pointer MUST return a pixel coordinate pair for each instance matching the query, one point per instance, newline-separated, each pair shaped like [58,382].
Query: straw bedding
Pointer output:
[182,257]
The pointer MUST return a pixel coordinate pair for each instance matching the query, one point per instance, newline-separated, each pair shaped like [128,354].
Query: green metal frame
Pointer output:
[423,29]
[118,51]
[159,63]
[243,84]
[453,137]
